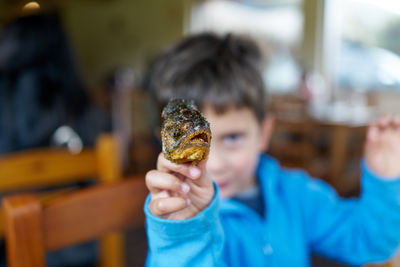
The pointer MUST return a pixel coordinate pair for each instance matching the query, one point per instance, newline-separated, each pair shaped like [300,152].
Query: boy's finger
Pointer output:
[157,180]
[202,182]
[373,133]
[395,122]
[186,170]
[164,206]
[384,122]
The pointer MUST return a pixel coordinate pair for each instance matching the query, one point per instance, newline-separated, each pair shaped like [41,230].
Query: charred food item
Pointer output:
[185,133]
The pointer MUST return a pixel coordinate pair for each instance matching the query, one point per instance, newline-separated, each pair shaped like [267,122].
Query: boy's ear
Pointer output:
[267,128]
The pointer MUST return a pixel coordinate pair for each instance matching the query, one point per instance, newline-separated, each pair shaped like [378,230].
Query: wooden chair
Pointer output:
[293,142]
[33,228]
[43,167]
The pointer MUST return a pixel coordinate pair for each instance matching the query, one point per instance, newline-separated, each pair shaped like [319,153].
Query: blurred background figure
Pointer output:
[43,101]
[41,89]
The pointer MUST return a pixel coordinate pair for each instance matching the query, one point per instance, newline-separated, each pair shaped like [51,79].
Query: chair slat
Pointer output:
[85,215]
[48,166]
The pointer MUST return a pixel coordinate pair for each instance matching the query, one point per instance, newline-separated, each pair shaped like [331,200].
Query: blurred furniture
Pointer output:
[33,228]
[293,142]
[325,149]
[346,148]
[143,154]
[135,122]
[45,167]
[143,149]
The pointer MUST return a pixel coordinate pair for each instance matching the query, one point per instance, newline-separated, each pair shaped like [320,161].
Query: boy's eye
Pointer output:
[233,139]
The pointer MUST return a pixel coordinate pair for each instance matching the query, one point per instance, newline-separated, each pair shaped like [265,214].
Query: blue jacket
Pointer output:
[302,215]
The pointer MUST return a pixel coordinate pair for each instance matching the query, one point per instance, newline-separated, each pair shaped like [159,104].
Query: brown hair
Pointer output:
[208,69]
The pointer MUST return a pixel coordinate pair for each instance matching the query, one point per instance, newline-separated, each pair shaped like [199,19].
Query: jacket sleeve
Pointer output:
[193,242]
[355,231]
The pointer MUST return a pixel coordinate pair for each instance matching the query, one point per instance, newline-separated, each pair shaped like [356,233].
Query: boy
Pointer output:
[267,216]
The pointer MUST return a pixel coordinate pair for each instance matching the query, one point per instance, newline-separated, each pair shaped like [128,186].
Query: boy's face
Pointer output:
[237,140]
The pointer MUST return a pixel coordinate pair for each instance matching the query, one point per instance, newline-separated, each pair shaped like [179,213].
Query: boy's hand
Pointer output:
[382,148]
[178,191]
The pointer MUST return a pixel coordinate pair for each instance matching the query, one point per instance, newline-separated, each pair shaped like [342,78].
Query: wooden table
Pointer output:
[341,133]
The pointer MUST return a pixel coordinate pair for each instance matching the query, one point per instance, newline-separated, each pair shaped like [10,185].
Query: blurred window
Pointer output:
[276,25]
[368,57]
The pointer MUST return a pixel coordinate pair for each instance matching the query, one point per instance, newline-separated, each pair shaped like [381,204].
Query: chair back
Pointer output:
[32,228]
[44,167]
[55,166]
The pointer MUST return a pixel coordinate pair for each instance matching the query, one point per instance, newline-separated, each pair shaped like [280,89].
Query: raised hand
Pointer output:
[382,148]
[178,191]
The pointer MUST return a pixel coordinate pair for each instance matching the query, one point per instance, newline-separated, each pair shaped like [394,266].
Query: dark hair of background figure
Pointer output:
[39,42]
